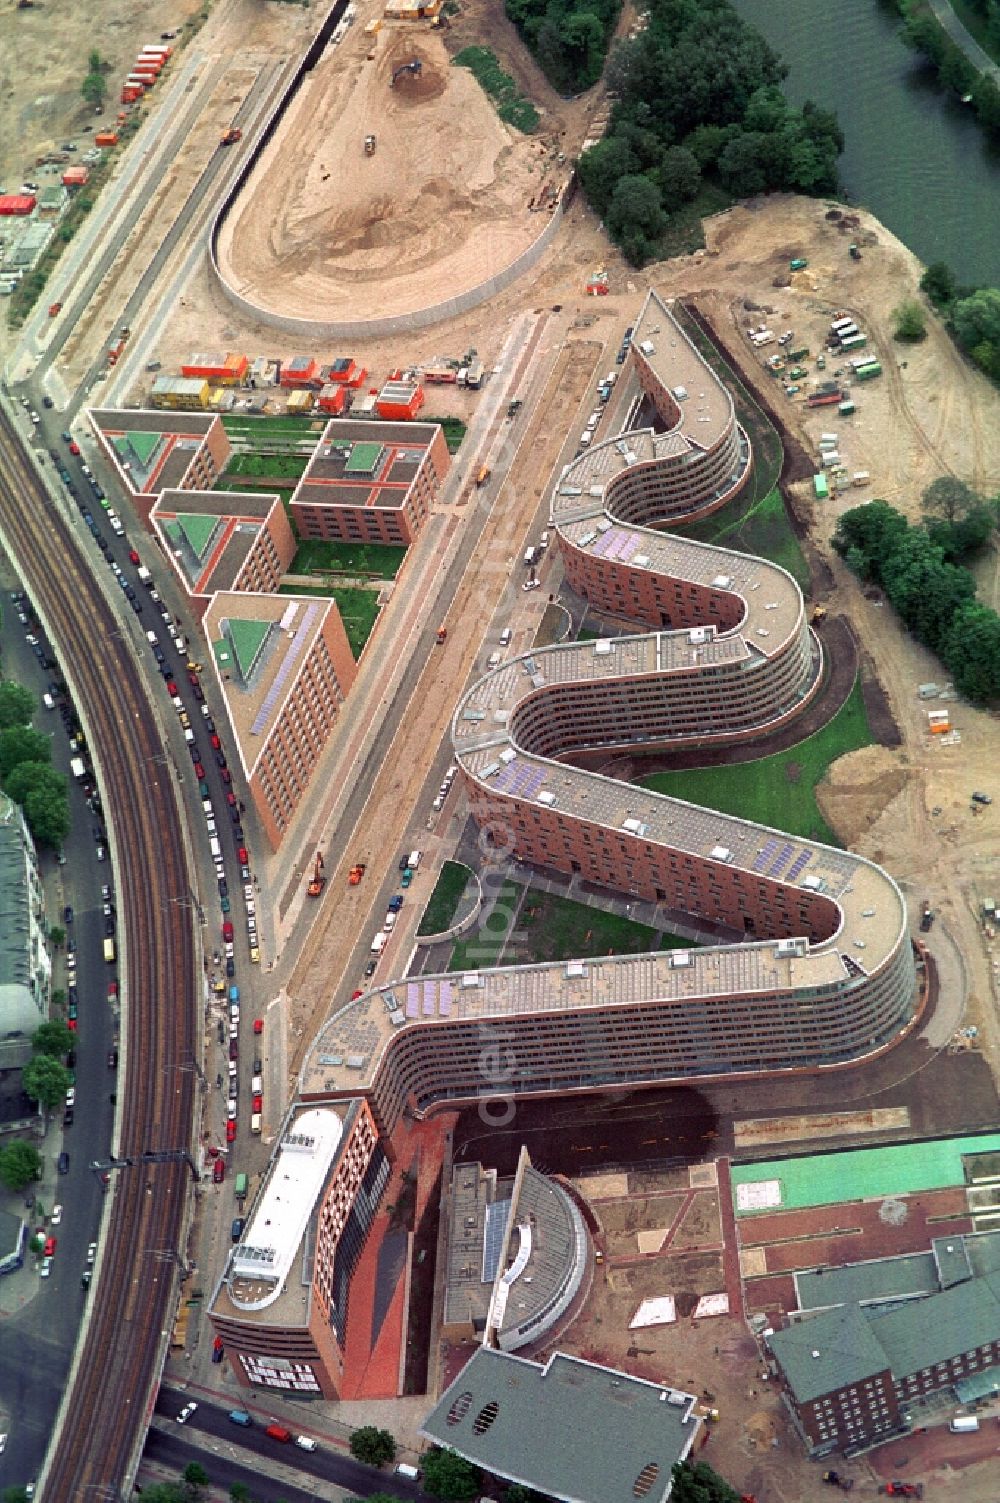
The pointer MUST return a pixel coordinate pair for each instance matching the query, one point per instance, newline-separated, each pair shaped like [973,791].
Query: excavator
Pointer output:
[318,881]
[414,66]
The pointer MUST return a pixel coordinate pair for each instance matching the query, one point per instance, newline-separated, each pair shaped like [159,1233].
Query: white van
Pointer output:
[962,1424]
[413,860]
[255,1123]
[585,438]
[48,701]
[378,943]
[494,660]
[505,637]
[215,847]
[530,555]
[306,1442]
[403,1469]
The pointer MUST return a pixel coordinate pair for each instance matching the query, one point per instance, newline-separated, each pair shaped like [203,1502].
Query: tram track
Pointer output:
[104,1411]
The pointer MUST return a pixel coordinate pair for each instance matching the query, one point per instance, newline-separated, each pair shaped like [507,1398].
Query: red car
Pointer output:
[71,1024]
[230,1132]
[258,1104]
[133,557]
[243,856]
[192,678]
[50,1247]
[216,743]
[199,771]
[171,688]
[112,991]
[225,775]
[227,930]
[258,1025]
[231,799]
[219,1171]
[74,448]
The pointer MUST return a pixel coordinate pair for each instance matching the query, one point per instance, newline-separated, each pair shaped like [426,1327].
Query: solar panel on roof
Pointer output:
[497,1216]
[291,657]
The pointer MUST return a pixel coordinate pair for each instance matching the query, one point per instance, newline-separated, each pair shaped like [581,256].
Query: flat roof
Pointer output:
[271,636]
[166,443]
[827,1351]
[210,534]
[261,1262]
[369,464]
[568,1429]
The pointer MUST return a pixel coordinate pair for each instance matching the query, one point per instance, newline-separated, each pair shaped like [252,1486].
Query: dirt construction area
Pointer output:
[441,204]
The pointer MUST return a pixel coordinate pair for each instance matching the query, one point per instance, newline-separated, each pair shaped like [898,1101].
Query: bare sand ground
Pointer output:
[442,204]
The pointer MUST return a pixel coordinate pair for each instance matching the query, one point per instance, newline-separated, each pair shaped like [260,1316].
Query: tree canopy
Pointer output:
[20,1165]
[46,1080]
[699,97]
[21,743]
[697,1483]
[449,1476]
[43,794]
[17,704]
[372,1445]
[53,1038]
[568,37]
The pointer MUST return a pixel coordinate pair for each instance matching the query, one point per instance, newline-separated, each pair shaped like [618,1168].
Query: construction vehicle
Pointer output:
[853,251]
[442,635]
[834,1479]
[899,1489]
[318,881]
[231,136]
[818,614]
[483,475]
[414,66]
[513,406]
[926,917]
[369,146]
[356,873]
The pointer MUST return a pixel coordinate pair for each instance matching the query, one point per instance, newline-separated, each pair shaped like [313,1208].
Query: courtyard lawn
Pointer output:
[551,927]
[378,560]
[779,791]
[484,944]
[264,466]
[358,609]
[443,902]
[454,431]
[258,431]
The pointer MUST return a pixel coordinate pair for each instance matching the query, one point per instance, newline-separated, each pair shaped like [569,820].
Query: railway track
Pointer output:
[106,1408]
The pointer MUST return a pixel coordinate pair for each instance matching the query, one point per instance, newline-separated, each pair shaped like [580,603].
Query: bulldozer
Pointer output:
[370,144]
[318,881]
[231,136]
[414,66]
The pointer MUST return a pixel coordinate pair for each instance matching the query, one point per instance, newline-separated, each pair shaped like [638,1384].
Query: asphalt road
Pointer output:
[30,1391]
[323,1464]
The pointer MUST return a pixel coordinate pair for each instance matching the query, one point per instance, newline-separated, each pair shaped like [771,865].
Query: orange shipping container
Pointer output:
[106,138]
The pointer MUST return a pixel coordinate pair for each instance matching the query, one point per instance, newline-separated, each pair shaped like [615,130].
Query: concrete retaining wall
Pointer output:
[463,925]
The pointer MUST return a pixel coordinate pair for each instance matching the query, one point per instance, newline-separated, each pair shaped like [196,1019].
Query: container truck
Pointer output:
[868,372]
[823,398]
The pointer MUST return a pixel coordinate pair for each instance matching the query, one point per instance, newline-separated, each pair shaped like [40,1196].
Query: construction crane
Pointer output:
[318,881]
[414,66]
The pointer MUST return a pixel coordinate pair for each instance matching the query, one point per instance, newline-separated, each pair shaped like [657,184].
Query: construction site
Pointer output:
[416,191]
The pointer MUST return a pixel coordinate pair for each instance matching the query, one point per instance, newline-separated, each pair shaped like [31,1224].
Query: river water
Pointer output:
[914,156]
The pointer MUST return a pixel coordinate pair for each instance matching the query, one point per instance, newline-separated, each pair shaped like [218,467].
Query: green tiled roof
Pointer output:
[198,530]
[142,445]
[363,458]
[924,1332]
[828,1351]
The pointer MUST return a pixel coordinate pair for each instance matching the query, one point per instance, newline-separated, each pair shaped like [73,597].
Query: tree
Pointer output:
[239,1493]
[17,704]
[977,318]
[195,1480]
[602,166]
[94,89]
[870,532]
[949,498]
[20,743]
[52,1038]
[163,1492]
[678,177]
[968,535]
[57,936]
[909,323]
[95,62]
[971,652]
[697,1483]
[43,794]
[372,1446]
[742,165]
[449,1476]
[938,282]
[20,1165]
[46,1080]
[635,217]
[924,589]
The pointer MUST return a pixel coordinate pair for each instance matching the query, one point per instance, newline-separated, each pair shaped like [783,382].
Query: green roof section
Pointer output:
[569,1429]
[247,638]
[198,531]
[363,458]
[922,1333]
[223,653]
[825,1179]
[142,445]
